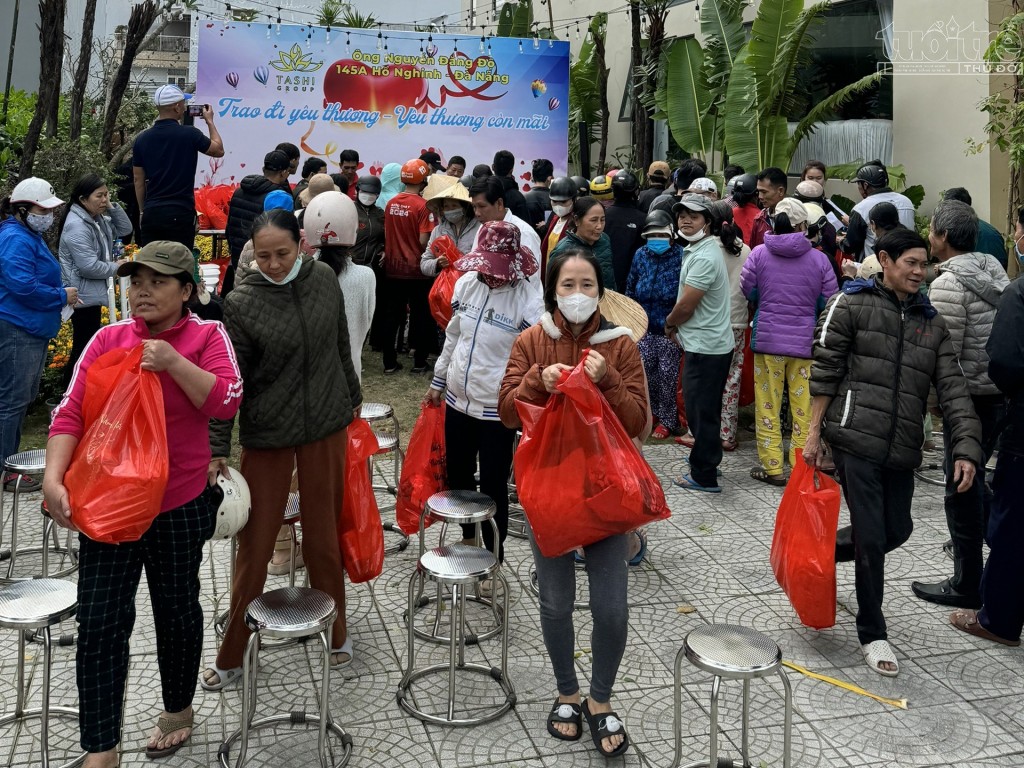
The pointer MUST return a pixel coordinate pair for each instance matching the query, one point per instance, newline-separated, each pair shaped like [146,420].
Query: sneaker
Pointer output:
[28,484]
[417,369]
[393,371]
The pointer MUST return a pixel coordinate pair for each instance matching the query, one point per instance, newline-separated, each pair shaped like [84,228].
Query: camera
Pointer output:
[196,110]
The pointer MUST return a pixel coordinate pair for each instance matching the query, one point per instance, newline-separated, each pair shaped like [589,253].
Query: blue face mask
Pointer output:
[658,245]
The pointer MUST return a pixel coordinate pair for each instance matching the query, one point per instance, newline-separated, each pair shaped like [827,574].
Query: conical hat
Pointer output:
[437,183]
[454,191]
[623,311]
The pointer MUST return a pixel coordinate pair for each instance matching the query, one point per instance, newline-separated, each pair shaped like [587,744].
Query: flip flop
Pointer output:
[346,647]
[604,725]
[639,556]
[689,484]
[878,651]
[967,621]
[169,724]
[761,474]
[225,678]
[570,714]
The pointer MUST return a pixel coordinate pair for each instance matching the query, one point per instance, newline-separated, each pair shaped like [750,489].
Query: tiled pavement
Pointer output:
[966,697]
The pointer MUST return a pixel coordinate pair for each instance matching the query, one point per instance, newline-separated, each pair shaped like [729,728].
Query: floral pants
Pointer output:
[661,358]
[773,374]
[731,395]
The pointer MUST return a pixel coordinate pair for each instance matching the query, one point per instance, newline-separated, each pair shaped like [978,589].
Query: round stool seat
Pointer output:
[291,509]
[291,612]
[734,652]
[27,462]
[386,441]
[37,603]
[464,507]
[458,564]
[376,411]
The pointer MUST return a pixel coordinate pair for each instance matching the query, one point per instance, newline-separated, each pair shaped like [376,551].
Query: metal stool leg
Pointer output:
[14,529]
[788,732]
[44,733]
[325,690]
[745,744]
[714,719]
[250,662]
[453,640]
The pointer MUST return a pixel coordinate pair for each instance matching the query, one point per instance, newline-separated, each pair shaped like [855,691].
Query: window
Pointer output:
[177,77]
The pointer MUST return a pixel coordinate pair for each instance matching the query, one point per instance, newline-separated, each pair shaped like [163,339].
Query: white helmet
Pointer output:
[233,512]
[36,190]
[330,219]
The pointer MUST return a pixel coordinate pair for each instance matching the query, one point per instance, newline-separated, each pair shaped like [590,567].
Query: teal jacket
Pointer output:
[602,251]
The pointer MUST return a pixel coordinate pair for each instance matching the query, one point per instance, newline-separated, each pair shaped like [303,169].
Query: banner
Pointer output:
[389,95]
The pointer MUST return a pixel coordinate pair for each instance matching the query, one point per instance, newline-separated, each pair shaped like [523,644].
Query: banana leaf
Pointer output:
[688,99]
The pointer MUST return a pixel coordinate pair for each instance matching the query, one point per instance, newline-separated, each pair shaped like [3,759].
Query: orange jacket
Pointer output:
[550,341]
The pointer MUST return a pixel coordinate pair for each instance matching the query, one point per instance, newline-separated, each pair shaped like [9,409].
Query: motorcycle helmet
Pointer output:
[236,503]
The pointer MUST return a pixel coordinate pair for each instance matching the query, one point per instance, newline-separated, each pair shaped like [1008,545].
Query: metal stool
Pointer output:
[731,653]
[457,508]
[535,585]
[291,518]
[32,464]
[516,514]
[35,605]
[456,566]
[389,442]
[48,530]
[292,613]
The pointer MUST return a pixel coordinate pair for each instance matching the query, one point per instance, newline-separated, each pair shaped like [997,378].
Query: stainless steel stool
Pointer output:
[49,529]
[535,584]
[731,653]
[457,508]
[516,514]
[291,613]
[389,442]
[456,566]
[35,605]
[32,464]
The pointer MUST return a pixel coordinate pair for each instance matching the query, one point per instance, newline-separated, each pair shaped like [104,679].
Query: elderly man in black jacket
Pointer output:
[878,348]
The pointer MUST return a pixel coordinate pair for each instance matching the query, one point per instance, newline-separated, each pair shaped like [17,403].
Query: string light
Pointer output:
[309,37]
[481,43]
[696,11]
[328,40]
[348,44]
[268,31]
[536,41]
[279,21]
[577,30]
[520,46]
[385,42]
[380,37]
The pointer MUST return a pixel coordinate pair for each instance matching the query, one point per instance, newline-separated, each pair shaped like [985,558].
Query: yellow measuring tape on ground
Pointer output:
[898,703]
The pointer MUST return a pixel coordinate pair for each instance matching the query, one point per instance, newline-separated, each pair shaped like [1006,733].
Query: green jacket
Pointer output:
[292,346]
[602,251]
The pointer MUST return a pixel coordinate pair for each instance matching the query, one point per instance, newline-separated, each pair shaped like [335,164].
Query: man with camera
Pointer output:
[164,165]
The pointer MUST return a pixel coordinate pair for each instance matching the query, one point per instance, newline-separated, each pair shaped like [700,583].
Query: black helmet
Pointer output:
[625,182]
[746,184]
[369,184]
[582,185]
[563,188]
[873,174]
[658,222]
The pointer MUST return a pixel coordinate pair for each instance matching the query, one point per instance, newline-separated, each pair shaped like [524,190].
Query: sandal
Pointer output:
[284,545]
[570,714]
[877,652]
[687,483]
[225,677]
[346,648]
[967,621]
[686,440]
[660,432]
[169,724]
[641,553]
[604,725]
[760,473]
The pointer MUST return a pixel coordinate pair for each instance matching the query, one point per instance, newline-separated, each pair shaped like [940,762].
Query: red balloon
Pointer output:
[354,85]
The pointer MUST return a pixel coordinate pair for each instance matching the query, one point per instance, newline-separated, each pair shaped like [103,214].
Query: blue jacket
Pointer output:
[653,282]
[31,294]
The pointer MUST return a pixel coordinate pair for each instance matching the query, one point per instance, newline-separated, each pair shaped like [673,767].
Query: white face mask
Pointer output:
[287,278]
[577,307]
[561,211]
[39,222]
[696,237]
[367,198]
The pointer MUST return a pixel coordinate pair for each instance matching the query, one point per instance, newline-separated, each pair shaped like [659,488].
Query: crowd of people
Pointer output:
[858,326]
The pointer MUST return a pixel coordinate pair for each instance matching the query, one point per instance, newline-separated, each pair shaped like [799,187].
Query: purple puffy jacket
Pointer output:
[789,281]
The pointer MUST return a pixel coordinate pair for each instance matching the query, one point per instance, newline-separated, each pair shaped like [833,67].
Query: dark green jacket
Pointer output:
[602,251]
[876,357]
[292,346]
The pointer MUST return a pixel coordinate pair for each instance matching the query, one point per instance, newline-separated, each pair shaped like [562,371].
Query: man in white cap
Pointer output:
[164,162]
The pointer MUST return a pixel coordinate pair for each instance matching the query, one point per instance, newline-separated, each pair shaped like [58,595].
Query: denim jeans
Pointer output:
[22,357]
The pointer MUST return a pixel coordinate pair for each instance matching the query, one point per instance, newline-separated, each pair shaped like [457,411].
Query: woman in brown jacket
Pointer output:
[571,324]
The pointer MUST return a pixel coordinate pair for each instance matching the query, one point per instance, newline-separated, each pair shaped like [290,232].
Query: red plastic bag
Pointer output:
[441,291]
[118,475]
[579,476]
[360,534]
[804,545]
[212,205]
[423,469]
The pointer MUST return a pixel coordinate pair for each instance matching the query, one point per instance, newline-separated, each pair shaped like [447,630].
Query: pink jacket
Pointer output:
[202,342]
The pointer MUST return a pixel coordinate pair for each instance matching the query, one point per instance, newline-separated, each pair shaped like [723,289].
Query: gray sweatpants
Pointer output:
[556,579]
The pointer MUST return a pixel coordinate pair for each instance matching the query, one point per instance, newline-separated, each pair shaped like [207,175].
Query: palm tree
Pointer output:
[354,19]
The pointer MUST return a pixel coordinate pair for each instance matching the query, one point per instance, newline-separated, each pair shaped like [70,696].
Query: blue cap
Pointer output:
[278,199]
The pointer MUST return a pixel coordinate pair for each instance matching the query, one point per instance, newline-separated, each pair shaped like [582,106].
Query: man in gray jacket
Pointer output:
[966,293]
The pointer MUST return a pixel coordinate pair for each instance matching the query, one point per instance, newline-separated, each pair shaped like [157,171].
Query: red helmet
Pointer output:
[415,172]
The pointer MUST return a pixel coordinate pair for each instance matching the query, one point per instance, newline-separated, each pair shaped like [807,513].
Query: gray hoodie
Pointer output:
[966,293]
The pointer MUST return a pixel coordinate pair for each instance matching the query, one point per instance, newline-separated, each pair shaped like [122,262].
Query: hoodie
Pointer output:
[246,205]
[789,281]
[390,184]
[967,293]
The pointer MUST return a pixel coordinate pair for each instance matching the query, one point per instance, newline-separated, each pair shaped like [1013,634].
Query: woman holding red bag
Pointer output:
[572,324]
[200,380]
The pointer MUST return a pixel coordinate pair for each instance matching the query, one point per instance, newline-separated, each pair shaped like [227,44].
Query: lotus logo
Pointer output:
[295,61]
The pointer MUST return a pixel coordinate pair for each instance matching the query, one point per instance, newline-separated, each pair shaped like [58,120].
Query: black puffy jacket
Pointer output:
[876,357]
[1005,350]
[246,204]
